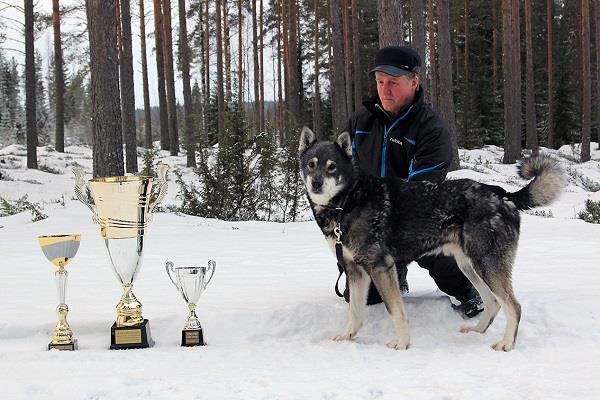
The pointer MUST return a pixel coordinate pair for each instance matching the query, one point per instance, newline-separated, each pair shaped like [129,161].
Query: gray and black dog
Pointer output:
[384,222]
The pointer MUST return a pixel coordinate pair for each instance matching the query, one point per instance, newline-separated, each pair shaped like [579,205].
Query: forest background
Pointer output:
[231,82]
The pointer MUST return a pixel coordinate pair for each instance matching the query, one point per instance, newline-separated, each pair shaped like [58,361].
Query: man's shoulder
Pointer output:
[362,113]
[430,120]
[361,119]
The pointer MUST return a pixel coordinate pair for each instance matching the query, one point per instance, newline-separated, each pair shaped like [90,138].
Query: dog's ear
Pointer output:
[345,143]
[307,139]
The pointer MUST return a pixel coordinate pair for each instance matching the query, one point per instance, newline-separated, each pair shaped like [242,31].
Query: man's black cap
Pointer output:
[397,61]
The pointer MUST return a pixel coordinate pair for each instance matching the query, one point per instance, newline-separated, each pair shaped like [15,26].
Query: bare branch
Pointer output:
[13,49]
[9,5]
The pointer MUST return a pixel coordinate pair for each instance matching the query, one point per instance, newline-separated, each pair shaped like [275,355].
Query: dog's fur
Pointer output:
[387,222]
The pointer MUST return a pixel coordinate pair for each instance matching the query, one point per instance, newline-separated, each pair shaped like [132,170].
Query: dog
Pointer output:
[383,223]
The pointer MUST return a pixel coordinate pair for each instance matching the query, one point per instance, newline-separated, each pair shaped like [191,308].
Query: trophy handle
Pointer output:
[80,187]
[211,268]
[162,185]
[169,268]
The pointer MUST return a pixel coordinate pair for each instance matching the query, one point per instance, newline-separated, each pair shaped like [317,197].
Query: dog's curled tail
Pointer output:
[547,184]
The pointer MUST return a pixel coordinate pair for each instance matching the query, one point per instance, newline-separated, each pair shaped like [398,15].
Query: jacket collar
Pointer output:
[373,105]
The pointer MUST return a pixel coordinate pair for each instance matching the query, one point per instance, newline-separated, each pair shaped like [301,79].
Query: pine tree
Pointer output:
[30,87]
[106,107]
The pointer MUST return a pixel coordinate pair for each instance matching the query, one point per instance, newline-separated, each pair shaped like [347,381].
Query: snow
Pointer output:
[270,308]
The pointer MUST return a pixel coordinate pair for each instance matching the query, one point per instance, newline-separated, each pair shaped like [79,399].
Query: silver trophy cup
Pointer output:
[191,282]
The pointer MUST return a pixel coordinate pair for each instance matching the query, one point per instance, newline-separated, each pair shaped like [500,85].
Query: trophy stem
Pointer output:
[129,308]
[193,322]
[62,332]
[61,283]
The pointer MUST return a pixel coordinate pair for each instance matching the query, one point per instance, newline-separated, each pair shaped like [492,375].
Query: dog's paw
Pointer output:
[502,346]
[343,336]
[397,344]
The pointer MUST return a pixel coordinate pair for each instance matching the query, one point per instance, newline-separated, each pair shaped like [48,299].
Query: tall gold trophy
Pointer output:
[123,209]
[59,250]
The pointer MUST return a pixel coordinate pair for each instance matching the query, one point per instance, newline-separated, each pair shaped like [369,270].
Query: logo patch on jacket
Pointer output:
[397,141]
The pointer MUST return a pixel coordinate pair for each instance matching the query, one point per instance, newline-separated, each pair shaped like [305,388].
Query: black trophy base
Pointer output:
[192,337]
[63,347]
[131,337]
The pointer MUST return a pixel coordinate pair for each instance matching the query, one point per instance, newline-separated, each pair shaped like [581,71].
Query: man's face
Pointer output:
[396,92]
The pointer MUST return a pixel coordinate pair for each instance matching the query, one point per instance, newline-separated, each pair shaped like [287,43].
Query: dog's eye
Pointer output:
[331,167]
[311,164]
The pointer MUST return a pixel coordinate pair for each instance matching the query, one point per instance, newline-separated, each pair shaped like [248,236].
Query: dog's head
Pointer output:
[325,167]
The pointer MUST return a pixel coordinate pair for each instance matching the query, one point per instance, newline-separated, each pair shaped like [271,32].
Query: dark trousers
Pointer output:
[444,271]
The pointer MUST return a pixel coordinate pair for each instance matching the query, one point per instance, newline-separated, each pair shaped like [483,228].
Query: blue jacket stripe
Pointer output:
[409,140]
[412,173]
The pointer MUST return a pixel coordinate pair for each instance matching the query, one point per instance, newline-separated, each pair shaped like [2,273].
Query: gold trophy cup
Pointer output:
[123,209]
[59,250]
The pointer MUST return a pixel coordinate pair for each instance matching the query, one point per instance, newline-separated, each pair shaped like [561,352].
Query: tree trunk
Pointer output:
[261,105]
[598,70]
[550,57]
[206,53]
[466,78]
[357,70]
[348,57]
[147,114]
[446,100]
[226,50]
[285,23]
[170,78]
[391,31]
[317,95]
[280,104]
[184,54]
[127,90]
[512,82]
[417,16]
[30,111]
[240,71]
[433,59]
[294,115]
[338,98]
[532,140]
[495,47]
[256,66]
[586,105]
[59,82]
[104,71]
[160,75]
[220,89]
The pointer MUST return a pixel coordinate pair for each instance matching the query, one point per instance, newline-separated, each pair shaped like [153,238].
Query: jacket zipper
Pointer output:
[386,132]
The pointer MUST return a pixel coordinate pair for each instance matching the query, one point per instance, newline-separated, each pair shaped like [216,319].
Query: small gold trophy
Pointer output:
[59,250]
[123,208]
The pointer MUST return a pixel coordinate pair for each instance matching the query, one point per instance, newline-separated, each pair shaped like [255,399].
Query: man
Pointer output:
[398,134]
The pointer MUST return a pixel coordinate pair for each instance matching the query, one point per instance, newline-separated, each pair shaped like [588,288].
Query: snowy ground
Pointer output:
[270,308]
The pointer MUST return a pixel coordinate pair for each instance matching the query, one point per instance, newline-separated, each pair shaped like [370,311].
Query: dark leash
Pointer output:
[339,250]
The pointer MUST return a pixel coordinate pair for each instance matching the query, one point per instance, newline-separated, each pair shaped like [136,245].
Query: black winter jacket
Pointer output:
[414,146]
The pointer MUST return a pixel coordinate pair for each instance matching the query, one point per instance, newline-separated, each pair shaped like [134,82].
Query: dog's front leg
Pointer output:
[386,282]
[358,283]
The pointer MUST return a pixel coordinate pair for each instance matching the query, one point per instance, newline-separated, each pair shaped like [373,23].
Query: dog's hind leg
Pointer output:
[358,283]
[490,304]
[497,278]
[385,279]
[502,288]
